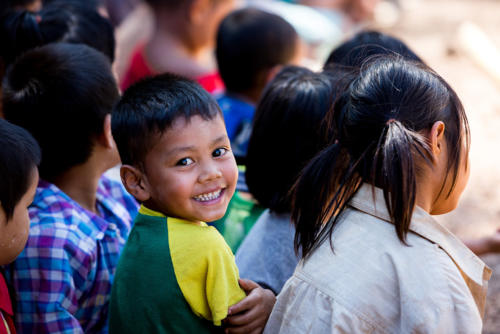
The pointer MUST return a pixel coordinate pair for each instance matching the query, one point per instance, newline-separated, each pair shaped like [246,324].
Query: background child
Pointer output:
[23,30]
[177,162]
[19,156]
[286,135]
[182,42]
[252,45]
[374,260]
[63,95]
[60,21]
[354,51]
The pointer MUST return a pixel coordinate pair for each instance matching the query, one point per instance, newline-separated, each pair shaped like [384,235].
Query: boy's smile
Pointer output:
[190,172]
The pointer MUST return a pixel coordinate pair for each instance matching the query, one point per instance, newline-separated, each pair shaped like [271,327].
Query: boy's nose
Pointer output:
[210,173]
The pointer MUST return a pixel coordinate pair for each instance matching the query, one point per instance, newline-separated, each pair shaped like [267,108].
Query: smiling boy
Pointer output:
[176,274]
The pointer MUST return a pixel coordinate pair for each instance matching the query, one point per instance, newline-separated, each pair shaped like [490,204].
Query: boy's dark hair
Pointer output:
[378,123]
[92,4]
[59,21]
[170,4]
[250,42]
[365,44]
[61,93]
[19,156]
[148,108]
[286,134]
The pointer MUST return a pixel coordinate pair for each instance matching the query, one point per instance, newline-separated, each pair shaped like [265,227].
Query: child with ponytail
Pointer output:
[374,259]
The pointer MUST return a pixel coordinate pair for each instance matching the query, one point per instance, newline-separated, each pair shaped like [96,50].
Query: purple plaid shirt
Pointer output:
[63,277]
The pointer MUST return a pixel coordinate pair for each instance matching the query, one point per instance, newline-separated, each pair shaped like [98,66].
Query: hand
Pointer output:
[493,242]
[484,245]
[250,314]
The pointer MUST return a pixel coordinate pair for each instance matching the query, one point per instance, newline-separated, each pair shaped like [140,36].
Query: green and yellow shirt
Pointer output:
[174,276]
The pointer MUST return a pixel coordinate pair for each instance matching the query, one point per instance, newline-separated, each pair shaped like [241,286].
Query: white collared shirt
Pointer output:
[372,283]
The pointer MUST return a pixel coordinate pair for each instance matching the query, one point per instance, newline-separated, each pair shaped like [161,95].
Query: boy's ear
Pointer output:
[272,73]
[106,138]
[132,179]
[198,10]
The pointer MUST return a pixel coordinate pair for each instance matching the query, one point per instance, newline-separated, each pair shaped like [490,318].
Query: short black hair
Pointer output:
[286,134]
[19,156]
[93,4]
[366,44]
[149,107]
[60,21]
[61,93]
[249,43]
[170,4]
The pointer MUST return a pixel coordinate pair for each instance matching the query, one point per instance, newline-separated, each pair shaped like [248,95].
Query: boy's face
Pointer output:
[14,232]
[190,172]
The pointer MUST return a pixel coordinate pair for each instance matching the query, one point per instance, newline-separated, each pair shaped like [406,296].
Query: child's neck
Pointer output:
[80,182]
[167,50]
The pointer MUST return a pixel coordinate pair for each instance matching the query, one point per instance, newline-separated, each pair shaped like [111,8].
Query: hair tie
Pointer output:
[390,121]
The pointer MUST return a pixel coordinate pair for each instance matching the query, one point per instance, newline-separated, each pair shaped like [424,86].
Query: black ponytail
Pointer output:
[378,125]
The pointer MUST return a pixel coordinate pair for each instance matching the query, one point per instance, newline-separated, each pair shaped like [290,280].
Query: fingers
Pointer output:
[247,285]
[241,318]
[248,328]
[245,304]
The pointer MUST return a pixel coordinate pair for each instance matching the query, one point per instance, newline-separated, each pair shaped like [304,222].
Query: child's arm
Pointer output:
[250,315]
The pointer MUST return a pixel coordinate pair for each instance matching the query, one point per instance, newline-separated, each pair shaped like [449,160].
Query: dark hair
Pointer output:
[22,30]
[61,93]
[149,107]
[365,44]
[170,4]
[250,42]
[378,122]
[19,156]
[286,134]
[92,4]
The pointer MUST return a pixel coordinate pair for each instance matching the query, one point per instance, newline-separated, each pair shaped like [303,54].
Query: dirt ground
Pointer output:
[431,28]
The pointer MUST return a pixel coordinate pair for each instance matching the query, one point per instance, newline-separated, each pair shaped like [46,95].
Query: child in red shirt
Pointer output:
[182,42]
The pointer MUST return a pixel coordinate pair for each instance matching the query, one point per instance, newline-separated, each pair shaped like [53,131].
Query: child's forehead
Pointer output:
[190,130]
[183,123]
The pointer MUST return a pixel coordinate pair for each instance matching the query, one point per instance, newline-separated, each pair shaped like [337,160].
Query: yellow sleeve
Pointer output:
[222,288]
[205,270]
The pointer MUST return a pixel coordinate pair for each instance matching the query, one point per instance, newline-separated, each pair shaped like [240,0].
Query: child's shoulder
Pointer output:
[202,237]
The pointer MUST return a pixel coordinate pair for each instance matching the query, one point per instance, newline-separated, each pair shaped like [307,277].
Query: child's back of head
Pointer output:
[61,93]
[286,134]
[363,45]
[59,21]
[20,155]
[250,43]
[384,123]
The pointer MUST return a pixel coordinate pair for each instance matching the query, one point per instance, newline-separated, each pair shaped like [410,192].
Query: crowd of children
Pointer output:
[347,165]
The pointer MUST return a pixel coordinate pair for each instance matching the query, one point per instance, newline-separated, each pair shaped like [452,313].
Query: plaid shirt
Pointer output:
[63,277]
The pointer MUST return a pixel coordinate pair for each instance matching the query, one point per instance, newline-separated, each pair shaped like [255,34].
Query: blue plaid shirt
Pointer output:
[63,277]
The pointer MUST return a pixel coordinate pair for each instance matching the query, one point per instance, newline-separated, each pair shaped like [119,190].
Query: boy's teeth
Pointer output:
[208,196]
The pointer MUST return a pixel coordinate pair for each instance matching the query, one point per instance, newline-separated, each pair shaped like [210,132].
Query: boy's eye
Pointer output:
[184,162]
[219,152]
